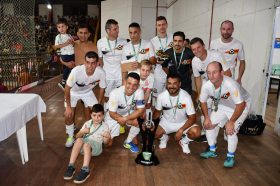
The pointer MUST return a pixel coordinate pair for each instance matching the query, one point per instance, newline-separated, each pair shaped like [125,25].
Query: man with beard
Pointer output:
[161,43]
[79,85]
[178,115]
[83,45]
[231,48]
[179,61]
[230,107]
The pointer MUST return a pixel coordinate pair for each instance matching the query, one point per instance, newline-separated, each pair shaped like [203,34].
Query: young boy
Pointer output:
[89,141]
[146,81]
[63,41]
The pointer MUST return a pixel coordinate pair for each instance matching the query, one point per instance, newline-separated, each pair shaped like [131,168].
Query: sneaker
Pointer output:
[61,85]
[131,146]
[69,142]
[68,175]
[201,139]
[163,142]
[208,154]
[122,129]
[229,162]
[185,147]
[82,176]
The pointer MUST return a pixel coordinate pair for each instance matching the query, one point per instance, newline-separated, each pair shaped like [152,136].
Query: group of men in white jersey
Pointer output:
[223,100]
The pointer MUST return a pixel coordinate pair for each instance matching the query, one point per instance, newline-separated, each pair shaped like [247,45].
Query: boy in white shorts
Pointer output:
[230,107]
[178,115]
[126,105]
[79,85]
[89,142]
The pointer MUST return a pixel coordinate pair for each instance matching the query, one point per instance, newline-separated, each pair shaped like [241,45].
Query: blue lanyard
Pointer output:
[161,46]
[113,51]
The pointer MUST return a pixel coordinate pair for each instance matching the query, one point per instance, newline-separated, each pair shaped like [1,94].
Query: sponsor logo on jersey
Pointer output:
[144,51]
[226,95]
[232,51]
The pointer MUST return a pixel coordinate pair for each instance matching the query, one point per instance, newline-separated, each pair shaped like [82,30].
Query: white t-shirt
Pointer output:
[230,93]
[124,105]
[232,51]
[63,38]
[161,44]
[112,54]
[137,54]
[82,83]
[148,83]
[199,67]
[175,109]
[99,131]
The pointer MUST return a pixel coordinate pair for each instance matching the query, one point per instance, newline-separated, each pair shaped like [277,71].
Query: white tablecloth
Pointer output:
[15,111]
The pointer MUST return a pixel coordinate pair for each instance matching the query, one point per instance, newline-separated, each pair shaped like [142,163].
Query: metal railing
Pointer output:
[22,69]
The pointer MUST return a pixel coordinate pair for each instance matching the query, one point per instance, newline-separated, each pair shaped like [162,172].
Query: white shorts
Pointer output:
[221,117]
[111,85]
[89,99]
[173,127]
[159,86]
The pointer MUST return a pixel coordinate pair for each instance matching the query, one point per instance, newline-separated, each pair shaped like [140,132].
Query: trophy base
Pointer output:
[152,161]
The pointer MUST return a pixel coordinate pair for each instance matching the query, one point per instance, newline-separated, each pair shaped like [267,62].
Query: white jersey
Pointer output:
[111,52]
[148,83]
[230,93]
[232,51]
[199,67]
[96,133]
[82,83]
[139,52]
[63,38]
[161,44]
[123,104]
[175,109]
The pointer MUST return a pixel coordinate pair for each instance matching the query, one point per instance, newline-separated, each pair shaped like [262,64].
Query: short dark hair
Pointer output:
[110,22]
[98,108]
[173,76]
[187,40]
[62,21]
[227,21]
[92,54]
[133,75]
[180,34]
[195,40]
[83,25]
[134,25]
[161,18]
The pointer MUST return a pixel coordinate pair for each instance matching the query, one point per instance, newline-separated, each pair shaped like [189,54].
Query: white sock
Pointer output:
[211,135]
[70,130]
[164,137]
[232,143]
[132,133]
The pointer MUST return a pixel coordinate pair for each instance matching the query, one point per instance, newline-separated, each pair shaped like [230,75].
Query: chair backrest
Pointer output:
[275,69]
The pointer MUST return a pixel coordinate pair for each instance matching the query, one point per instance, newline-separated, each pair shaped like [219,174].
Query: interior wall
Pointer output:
[93,10]
[57,11]
[128,11]
[120,10]
[253,22]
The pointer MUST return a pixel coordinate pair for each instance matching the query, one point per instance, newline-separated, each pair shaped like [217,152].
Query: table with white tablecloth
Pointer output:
[15,111]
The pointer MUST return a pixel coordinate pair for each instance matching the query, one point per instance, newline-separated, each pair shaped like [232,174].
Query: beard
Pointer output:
[173,91]
[226,36]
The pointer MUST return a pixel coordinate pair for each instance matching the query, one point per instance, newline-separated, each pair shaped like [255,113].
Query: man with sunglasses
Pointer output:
[79,85]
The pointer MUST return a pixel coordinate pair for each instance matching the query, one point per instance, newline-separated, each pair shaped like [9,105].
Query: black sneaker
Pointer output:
[62,85]
[82,176]
[68,175]
[201,139]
